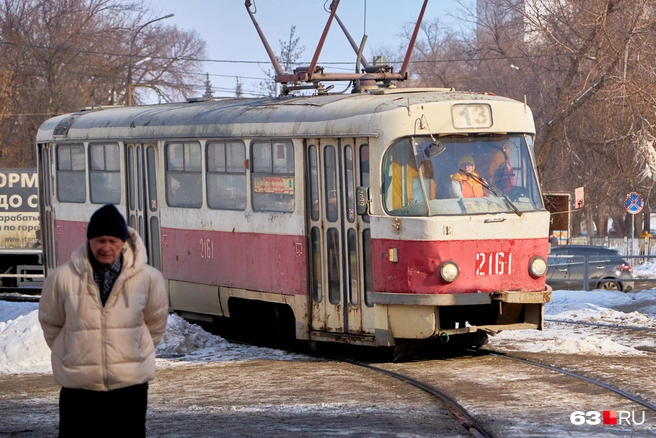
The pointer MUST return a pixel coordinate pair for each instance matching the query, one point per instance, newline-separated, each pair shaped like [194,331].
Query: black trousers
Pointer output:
[118,413]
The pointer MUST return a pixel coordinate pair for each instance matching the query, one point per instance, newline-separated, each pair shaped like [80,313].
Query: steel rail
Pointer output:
[459,412]
[602,324]
[632,397]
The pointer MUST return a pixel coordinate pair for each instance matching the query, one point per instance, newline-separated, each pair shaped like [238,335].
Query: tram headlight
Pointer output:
[449,271]
[537,267]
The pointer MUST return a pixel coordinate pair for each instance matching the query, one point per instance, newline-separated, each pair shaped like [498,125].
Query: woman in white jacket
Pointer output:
[102,314]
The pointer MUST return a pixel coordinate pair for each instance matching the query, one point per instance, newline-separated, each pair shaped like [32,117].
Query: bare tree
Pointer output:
[437,55]
[208,87]
[239,89]
[173,63]
[599,101]
[290,53]
[6,102]
[68,54]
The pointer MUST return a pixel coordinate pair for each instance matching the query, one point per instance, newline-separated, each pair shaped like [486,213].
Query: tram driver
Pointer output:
[465,183]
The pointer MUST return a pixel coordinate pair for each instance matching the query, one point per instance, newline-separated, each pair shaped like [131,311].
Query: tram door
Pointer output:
[142,202]
[45,199]
[338,273]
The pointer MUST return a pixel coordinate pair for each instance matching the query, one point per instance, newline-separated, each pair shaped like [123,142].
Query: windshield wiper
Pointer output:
[494,190]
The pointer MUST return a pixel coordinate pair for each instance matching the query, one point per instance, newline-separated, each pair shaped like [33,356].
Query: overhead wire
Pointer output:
[238,61]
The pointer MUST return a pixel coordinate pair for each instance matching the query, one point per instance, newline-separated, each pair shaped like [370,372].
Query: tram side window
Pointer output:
[104,174]
[272,176]
[403,192]
[314,182]
[226,175]
[183,175]
[364,171]
[350,183]
[71,183]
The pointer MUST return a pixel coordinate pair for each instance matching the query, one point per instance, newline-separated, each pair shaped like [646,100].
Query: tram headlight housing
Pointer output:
[537,267]
[449,271]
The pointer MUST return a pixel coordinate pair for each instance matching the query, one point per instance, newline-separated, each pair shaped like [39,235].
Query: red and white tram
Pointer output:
[332,214]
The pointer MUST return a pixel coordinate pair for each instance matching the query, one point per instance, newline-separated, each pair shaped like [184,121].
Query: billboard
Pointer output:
[19,209]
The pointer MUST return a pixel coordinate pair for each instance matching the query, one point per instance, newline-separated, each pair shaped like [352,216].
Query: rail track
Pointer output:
[602,324]
[634,398]
[479,421]
[459,413]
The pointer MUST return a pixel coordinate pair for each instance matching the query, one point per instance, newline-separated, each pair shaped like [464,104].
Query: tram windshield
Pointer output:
[423,176]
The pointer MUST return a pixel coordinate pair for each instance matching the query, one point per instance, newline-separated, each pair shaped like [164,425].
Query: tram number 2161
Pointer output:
[206,248]
[493,263]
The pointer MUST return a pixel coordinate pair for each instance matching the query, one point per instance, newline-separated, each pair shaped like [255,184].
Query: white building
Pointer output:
[522,17]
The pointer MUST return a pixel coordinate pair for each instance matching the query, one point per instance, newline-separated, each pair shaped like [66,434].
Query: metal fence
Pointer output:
[639,251]
[626,246]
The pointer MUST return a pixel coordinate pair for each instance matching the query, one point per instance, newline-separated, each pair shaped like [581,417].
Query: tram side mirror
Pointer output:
[362,200]
[434,148]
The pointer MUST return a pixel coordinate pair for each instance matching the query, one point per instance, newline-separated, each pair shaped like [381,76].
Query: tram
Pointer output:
[331,216]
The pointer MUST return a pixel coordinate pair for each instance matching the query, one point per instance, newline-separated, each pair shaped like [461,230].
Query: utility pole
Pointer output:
[134,37]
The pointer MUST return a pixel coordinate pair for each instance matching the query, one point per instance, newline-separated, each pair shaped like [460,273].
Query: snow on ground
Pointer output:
[598,324]
[23,350]
[646,269]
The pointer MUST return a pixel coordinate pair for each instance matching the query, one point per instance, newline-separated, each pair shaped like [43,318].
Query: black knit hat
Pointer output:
[107,221]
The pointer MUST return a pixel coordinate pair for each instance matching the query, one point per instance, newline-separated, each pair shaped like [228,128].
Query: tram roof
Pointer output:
[307,116]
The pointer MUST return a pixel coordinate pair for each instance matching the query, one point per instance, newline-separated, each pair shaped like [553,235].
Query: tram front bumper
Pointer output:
[465,299]
[412,316]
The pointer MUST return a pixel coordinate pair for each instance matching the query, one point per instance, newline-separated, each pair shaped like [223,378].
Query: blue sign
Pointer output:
[634,203]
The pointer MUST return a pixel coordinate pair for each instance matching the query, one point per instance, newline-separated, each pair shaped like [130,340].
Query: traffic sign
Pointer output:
[634,203]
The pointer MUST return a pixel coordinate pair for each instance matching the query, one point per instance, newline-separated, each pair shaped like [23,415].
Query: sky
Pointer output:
[235,49]
[23,349]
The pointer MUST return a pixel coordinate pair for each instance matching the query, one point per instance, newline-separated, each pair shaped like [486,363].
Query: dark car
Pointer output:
[606,268]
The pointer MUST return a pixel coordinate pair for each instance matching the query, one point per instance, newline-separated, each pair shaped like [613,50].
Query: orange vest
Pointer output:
[471,189]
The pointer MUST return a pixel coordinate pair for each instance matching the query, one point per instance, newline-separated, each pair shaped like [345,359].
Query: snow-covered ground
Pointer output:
[597,331]
[600,313]
[23,350]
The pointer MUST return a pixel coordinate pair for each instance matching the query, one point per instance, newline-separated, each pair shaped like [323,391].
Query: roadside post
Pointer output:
[633,204]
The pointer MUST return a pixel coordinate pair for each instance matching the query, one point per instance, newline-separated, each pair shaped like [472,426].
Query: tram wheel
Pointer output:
[405,350]
[468,340]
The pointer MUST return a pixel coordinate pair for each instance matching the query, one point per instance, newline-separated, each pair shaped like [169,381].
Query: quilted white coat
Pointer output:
[104,348]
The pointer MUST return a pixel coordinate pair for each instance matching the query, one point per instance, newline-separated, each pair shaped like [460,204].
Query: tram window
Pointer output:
[226,175]
[314,182]
[46,175]
[353,267]
[152,178]
[364,171]
[502,161]
[330,172]
[104,174]
[368,267]
[183,175]
[71,183]
[154,243]
[401,181]
[140,179]
[272,177]
[315,237]
[129,171]
[350,183]
[364,165]
[332,241]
